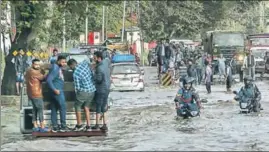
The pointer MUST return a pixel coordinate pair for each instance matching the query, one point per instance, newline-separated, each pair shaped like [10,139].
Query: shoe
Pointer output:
[88,128]
[36,129]
[55,129]
[78,128]
[104,127]
[44,129]
[64,129]
[96,127]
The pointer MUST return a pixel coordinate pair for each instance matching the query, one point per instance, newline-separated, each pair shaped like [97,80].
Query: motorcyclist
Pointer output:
[249,91]
[187,100]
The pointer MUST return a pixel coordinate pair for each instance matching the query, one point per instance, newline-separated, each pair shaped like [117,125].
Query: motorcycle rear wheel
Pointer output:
[256,107]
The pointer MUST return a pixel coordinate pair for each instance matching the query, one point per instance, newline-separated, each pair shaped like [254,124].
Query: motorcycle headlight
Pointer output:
[244,105]
[194,113]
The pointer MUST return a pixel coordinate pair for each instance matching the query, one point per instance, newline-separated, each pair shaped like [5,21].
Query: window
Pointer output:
[228,39]
[80,57]
[259,41]
[125,69]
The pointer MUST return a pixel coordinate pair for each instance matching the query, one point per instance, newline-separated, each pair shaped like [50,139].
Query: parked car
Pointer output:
[126,74]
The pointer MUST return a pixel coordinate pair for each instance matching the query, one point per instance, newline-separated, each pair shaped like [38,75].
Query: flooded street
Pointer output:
[146,121]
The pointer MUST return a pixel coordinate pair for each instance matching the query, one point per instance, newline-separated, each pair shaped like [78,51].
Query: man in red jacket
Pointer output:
[34,76]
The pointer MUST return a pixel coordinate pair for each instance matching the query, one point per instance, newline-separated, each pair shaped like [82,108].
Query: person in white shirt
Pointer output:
[221,66]
[229,76]
[250,63]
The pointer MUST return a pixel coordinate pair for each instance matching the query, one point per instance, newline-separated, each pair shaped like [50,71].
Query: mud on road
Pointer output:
[146,121]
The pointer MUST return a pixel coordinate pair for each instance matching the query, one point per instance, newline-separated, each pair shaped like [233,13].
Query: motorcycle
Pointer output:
[247,105]
[186,111]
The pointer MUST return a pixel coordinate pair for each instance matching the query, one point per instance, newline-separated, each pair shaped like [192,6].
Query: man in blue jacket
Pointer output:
[55,82]
[102,84]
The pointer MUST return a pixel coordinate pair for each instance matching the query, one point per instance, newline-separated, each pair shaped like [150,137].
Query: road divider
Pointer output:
[166,79]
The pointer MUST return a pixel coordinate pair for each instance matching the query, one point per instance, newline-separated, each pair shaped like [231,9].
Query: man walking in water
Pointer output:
[250,63]
[221,67]
[160,50]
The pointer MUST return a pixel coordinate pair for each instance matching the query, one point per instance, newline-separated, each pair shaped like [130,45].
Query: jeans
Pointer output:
[228,83]
[208,87]
[251,72]
[199,75]
[38,108]
[58,103]
[20,77]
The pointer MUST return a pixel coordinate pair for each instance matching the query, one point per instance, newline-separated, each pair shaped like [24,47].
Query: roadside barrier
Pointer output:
[166,79]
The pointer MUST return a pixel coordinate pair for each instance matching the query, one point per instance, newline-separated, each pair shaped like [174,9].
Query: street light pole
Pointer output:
[86,25]
[64,32]
[1,51]
[141,33]
[123,21]
[103,25]
[131,24]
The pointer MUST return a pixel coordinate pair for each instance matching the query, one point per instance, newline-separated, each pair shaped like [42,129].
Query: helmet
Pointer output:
[187,82]
[248,80]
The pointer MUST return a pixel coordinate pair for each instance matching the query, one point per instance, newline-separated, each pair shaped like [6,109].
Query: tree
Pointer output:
[28,16]
[166,19]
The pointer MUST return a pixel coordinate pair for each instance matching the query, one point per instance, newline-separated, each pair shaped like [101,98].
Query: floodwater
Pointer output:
[146,121]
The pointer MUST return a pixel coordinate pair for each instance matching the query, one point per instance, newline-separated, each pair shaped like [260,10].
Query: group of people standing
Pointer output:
[91,85]
[198,65]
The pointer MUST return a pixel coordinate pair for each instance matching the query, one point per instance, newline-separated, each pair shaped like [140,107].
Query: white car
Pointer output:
[127,76]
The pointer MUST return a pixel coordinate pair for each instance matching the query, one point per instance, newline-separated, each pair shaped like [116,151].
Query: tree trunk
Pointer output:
[9,80]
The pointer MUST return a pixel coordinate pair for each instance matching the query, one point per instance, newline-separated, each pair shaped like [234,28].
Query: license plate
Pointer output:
[125,79]
[244,105]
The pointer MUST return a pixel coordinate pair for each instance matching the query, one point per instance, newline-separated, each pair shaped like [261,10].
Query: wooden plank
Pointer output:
[70,134]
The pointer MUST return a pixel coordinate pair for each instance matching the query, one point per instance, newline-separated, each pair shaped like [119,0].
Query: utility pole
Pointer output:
[261,15]
[103,25]
[64,31]
[107,16]
[141,32]
[86,25]
[1,51]
[123,22]
[131,24]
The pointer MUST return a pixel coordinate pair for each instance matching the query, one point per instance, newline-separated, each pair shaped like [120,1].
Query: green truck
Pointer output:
[229,43]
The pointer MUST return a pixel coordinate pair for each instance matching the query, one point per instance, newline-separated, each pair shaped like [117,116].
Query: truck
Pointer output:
[229,43]
[258,44]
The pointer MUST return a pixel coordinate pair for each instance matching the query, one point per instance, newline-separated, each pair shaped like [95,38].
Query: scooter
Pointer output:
[247,105]
[186,112]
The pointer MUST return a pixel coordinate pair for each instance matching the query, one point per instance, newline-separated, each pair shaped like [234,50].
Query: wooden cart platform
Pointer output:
[70,134]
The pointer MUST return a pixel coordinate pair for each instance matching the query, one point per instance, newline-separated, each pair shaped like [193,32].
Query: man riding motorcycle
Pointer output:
[251,93]
[187,100]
